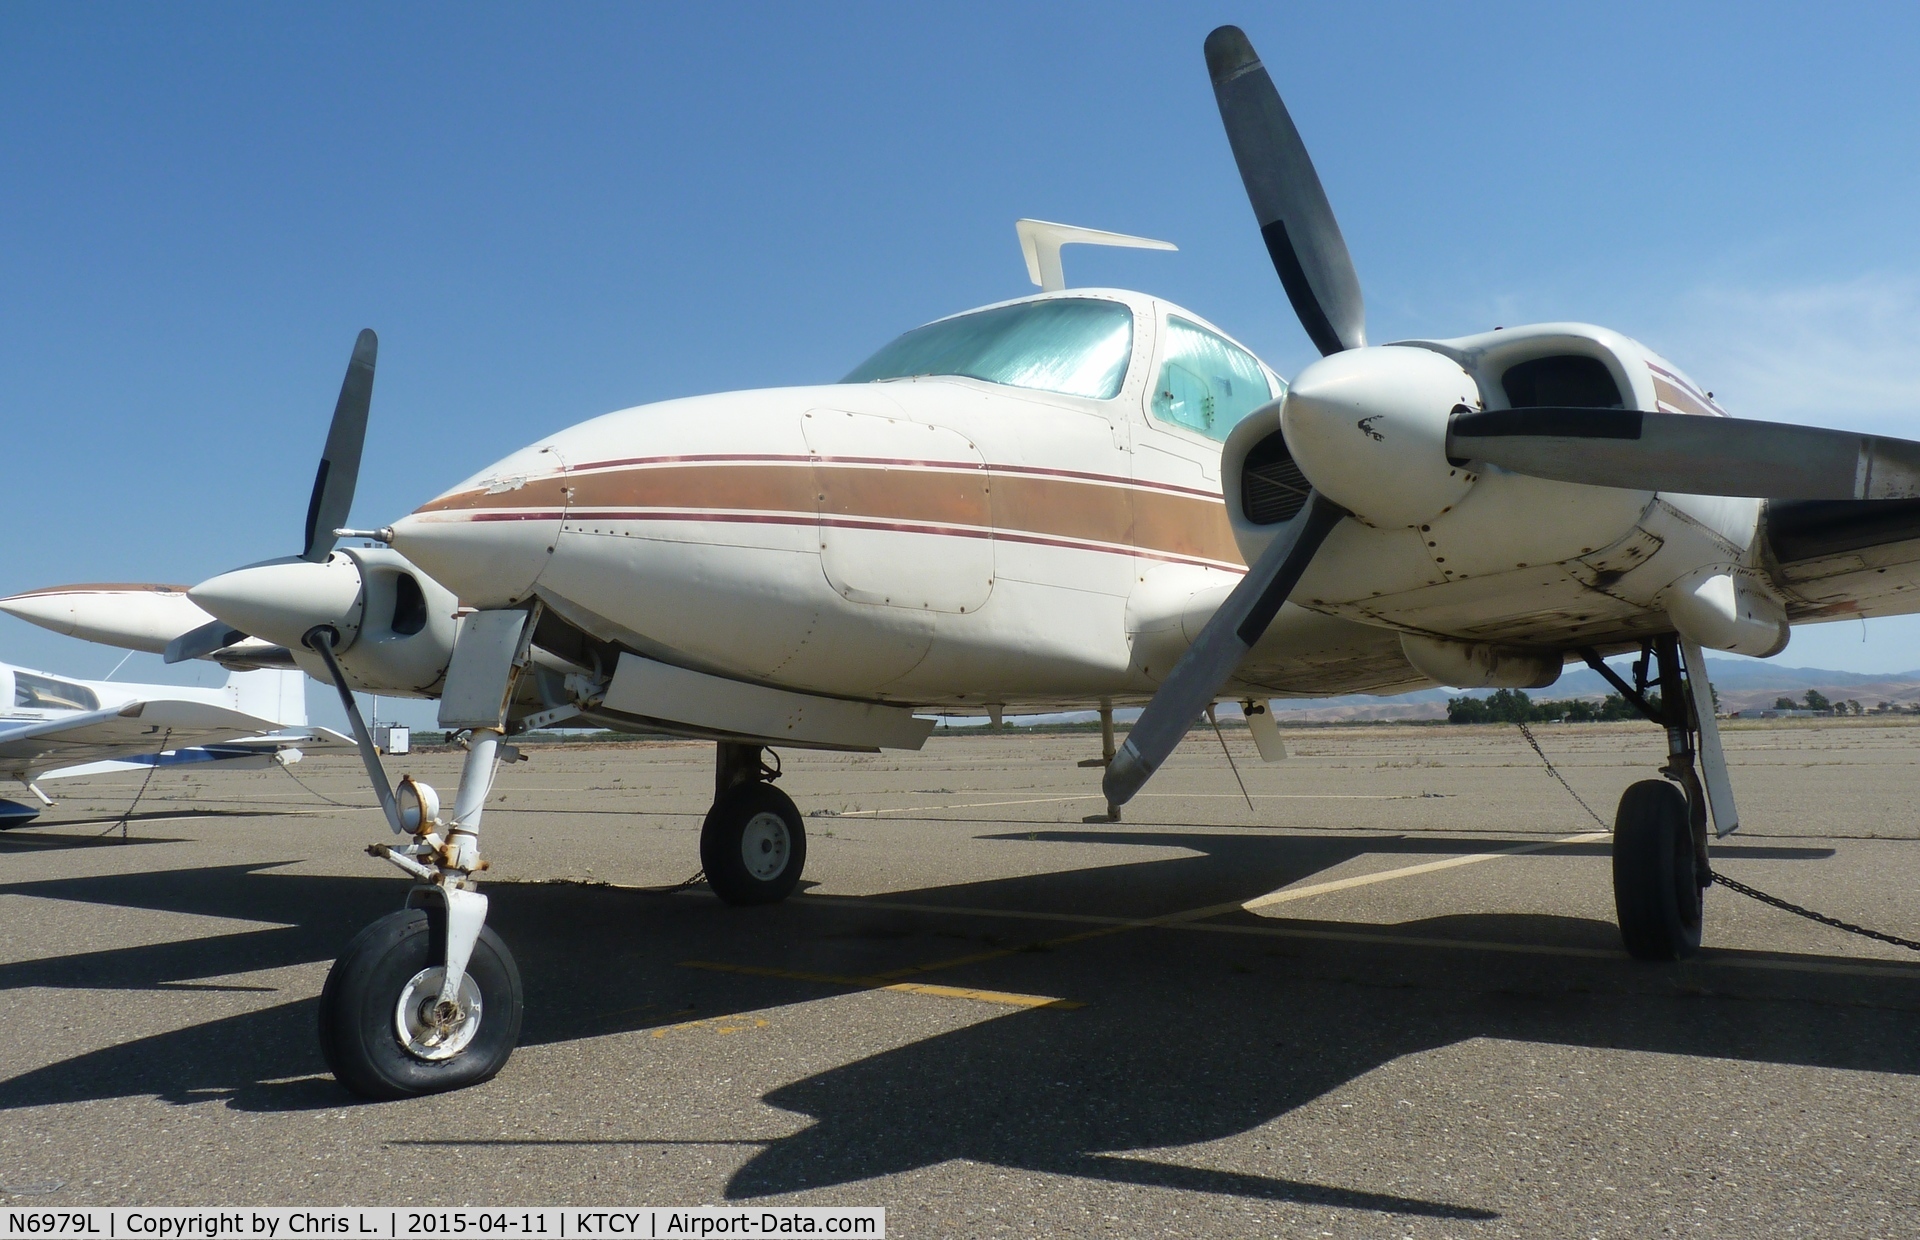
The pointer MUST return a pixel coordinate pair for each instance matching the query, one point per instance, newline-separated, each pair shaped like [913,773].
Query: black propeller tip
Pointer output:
[366,347]
[1229,54]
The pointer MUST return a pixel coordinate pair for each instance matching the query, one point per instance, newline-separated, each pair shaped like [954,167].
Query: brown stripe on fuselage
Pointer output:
[1155,521]
[1085,511]
[1170,525]
[548,491]
[937,496]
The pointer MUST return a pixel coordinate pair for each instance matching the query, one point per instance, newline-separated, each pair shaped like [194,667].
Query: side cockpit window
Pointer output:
[46,693]
[1206,384]
[1565,382]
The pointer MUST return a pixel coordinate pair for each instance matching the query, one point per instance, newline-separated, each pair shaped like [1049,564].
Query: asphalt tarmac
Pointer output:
[1388,1000]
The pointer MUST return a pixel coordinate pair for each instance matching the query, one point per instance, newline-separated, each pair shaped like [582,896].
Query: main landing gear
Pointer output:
[752,844]
[1660,869]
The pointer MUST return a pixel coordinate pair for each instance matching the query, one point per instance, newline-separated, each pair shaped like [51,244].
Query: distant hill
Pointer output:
[1743,685]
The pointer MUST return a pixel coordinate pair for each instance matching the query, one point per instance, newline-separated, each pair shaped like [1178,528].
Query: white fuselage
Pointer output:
[949,541]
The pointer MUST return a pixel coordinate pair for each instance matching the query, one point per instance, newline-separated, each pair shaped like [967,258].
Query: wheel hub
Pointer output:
[765,846]
[433,1028]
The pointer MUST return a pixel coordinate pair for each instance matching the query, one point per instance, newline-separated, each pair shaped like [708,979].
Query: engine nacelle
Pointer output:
[1368,428]
[405,624]
[1480,665]
[393,625]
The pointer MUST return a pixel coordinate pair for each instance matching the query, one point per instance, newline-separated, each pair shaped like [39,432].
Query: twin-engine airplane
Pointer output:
[1085,497]
[57,727]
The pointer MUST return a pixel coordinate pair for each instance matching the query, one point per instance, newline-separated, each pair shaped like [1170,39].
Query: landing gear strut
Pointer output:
[752,844]
[1660,869]
[429,999]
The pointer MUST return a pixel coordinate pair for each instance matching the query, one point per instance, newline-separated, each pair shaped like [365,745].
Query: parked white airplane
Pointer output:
[57,727]
[1054,502]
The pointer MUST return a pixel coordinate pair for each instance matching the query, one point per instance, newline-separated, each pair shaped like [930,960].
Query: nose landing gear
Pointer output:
[429,999]
[387,1032]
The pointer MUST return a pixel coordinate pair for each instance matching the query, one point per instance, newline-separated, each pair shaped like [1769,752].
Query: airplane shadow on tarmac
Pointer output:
[1185,1037]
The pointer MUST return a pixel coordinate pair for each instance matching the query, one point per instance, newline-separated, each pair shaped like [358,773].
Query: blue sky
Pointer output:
[552,212]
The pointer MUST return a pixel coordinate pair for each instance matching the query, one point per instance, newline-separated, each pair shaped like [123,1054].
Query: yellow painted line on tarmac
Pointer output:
[1001,953]
[714,1024]
[884,982]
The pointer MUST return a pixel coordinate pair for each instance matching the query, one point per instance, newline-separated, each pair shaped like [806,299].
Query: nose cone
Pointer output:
[1368,428]
[281,600]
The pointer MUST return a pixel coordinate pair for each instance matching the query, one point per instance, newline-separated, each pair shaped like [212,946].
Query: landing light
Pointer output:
[418,805]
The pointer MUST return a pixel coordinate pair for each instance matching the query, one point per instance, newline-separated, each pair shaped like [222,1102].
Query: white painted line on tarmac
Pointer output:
[1283,896]
[924,809]
[1288,894]
[1713,957]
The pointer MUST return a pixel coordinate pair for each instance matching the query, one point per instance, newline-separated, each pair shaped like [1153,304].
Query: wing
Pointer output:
[1842,558]
[137,728]
[249,753]
[307,740]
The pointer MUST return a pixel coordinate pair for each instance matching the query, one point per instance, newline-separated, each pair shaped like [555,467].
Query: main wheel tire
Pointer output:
[1656,882]
[752,845]
[376,1027]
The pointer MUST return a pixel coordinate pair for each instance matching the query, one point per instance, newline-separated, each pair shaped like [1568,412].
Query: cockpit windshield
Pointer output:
[1077,346]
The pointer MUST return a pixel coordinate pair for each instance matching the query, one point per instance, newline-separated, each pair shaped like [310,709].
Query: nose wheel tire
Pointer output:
[386,1032]
[1657,886]
[752,845]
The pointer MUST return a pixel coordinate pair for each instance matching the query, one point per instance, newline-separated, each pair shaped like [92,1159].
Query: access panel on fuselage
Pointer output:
[904,512]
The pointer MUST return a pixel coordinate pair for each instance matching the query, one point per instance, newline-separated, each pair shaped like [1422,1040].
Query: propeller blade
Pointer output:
[197,643]
[1232,631]
[1296,220]
[1688,453]
[339,468]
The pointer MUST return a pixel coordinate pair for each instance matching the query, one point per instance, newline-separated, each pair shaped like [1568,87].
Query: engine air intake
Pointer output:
[1272,488]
